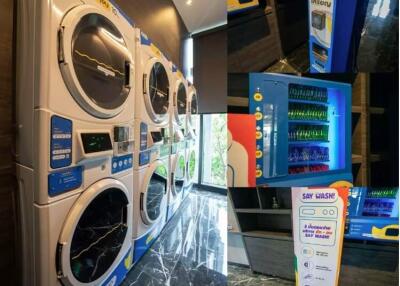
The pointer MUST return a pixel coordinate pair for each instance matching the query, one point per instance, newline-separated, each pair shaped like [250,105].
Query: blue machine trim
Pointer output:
[119,274]
[121,163]
[60,142]
[310,179]
[64,180]
[142,244]
[144,40]
[123,14]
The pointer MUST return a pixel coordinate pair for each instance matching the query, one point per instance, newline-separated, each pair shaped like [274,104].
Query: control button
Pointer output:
[115,165]
[125,162]
[332,212]
[325,211]
[130,160]
[120,163]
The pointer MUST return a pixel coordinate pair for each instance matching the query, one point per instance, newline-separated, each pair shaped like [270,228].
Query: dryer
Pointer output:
[153,102]
[151,187]
[191,144]
[178,133]
[75,112]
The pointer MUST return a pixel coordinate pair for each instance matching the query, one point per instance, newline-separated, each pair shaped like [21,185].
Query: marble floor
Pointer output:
[243,276]
[192,248]
[296,62]
[378,51]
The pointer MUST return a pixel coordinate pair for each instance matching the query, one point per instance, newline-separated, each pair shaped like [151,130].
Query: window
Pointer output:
[214,156]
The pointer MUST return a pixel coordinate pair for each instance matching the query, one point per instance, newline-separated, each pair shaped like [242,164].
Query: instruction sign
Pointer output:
[318,229]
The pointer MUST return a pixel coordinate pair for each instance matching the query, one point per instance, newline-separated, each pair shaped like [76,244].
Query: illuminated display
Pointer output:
[96,142]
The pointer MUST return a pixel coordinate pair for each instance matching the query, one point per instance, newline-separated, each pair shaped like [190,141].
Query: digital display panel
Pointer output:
[156,136]
[96,142]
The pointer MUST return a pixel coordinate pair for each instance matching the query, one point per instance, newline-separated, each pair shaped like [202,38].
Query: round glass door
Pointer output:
[193,109]
[154,195]
[179,175]
[99,235]
[192,164]
[181,101]
[158,96]
[100,62]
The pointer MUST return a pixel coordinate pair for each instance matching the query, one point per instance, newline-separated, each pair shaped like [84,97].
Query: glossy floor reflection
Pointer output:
[243,276]
[191,250]
[379,40]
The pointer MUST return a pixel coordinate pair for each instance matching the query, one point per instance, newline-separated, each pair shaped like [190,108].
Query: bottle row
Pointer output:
[309,133]
[308,153]
[300,111]
[378,208]
[308,169]
[310,93]
[382,193]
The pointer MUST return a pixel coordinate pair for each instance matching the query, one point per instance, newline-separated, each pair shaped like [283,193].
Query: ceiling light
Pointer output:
[188,2]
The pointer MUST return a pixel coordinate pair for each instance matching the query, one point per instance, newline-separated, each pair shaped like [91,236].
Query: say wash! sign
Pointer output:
[318,228]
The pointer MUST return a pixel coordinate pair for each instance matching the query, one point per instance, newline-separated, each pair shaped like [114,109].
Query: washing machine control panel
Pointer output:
[60,142]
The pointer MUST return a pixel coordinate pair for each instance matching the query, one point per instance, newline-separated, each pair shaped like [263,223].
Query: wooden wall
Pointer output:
[7,170]
[160,21]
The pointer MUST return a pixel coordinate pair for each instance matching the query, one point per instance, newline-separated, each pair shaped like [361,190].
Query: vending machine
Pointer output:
[373,214]
[303,130]
[335,32]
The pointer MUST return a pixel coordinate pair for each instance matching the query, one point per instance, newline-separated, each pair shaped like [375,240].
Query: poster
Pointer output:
[318,228]
[241,150]
[321,21]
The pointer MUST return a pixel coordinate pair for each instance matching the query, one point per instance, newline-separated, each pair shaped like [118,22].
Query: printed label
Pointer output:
[60,142]
[64,181]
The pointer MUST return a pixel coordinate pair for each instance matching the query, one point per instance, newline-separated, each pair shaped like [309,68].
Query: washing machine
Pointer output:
[178,140]
[153,102]
[75,112]
[151,187]
[191,142]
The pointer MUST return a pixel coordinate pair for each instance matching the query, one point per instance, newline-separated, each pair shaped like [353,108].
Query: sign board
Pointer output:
[318,228]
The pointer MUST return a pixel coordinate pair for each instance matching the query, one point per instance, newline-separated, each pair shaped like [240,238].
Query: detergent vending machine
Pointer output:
[335,32]
[303,130]
[373,214]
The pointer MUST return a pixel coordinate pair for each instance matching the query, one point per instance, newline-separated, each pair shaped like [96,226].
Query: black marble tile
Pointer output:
[192,248]
[243,276]
[378,50]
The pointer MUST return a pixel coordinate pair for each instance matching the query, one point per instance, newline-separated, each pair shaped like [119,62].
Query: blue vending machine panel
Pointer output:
[303,130]
[373,214]
[335,31]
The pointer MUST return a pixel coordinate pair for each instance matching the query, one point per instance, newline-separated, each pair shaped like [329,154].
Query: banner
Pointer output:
[318,228]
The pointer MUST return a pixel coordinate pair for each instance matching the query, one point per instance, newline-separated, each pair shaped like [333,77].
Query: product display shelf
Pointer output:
[264,217]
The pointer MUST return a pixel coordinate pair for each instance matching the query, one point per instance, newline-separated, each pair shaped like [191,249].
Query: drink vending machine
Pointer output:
[335,32]
[303,130]
[373,214]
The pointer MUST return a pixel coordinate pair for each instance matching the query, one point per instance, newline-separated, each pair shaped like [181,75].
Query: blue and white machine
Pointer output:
[373,214]
[335,31]
[75,112]
[152,145]
[303,135]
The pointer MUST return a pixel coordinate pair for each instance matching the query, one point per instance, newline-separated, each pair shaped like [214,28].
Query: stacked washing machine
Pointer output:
[75,115]
[191,150]
[152,149]
[99,110]
[178,131]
